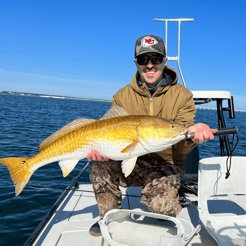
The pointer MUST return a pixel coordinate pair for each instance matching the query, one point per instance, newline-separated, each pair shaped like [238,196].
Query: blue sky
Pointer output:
[86,48]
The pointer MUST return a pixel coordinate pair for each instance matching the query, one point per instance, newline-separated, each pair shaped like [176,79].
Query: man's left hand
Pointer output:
[203,133]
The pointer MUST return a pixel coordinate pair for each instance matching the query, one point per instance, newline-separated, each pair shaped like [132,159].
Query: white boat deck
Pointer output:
[71,222]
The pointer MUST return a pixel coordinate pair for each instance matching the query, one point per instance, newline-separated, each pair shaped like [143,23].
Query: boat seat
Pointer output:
[222,202]
[211,94]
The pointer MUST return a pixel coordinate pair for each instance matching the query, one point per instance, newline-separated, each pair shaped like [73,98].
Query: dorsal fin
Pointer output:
[67,128]
[115,111]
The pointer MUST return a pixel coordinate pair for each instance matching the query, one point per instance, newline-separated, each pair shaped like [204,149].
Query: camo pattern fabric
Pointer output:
[160,182]
[149,43]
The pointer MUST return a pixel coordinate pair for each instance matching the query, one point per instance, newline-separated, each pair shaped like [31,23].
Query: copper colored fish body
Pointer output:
[117,135]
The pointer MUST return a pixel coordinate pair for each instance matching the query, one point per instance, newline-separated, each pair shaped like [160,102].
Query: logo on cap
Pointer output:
[148,41]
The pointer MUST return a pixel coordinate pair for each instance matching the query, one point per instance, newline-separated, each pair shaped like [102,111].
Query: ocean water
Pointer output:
[25,122]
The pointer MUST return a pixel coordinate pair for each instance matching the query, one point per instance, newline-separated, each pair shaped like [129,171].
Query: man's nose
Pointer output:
[149,64]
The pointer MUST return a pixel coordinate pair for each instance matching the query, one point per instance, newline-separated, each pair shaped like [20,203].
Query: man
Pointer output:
[153,91]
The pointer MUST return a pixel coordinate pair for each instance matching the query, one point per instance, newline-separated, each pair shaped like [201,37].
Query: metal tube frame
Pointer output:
[224,140]
[174,58]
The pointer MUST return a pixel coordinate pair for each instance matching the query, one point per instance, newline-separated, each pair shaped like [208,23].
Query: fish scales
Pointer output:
[111,131]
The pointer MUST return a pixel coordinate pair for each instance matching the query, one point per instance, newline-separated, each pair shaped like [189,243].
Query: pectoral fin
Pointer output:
[130,147]
[128,165]
[67,166]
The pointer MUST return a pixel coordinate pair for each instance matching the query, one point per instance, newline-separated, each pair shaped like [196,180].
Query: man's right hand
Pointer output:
[94,155]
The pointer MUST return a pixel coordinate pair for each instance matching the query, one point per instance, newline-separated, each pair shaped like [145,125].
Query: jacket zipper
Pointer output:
[151,106]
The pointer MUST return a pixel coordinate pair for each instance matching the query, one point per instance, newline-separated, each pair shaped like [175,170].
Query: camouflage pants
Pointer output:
[160,185]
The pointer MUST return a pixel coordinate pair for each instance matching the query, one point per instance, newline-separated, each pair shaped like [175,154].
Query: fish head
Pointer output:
[157,134]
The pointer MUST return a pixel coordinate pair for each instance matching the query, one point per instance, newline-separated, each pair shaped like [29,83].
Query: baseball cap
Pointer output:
[149,43]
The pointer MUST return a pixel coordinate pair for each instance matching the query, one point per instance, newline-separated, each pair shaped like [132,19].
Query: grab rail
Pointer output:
[174,58]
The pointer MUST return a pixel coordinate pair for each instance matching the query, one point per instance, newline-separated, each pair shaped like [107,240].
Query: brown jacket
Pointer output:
[173,102]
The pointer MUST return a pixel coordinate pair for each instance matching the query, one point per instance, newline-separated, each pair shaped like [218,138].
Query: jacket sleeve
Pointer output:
[116,101]
[187,111]
[185,116]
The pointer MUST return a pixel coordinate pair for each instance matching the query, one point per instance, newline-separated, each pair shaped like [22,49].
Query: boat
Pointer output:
[215,214]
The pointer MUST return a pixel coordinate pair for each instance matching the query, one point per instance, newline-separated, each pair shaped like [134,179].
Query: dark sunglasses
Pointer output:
[144,60]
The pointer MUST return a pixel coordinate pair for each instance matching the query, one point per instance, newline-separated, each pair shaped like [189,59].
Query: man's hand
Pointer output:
[94,155]
[203,133]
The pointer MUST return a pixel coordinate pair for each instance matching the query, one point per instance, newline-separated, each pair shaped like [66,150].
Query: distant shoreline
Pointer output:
[50,96]
[85,99]
[207,108]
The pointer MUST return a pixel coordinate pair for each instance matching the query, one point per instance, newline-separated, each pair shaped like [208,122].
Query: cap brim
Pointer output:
[145,52]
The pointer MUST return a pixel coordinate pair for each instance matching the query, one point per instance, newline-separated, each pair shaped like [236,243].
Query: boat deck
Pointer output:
[74,217]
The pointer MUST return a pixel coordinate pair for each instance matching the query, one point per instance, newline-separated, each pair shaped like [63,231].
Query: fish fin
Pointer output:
[115,111]
[128,165]
[19,171]
[67,166]
[67,128]
[130,147]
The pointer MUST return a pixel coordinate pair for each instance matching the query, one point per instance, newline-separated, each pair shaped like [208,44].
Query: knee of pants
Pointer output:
[93,167]
[104,170]
[106,202]
[95,171]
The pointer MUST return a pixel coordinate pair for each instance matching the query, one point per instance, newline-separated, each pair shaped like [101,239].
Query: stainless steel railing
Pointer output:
[174,58]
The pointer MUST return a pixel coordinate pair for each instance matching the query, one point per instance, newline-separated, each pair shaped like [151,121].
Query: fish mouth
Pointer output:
[182,134]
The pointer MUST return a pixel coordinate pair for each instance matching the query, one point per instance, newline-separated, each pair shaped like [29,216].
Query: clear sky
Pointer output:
[85,48]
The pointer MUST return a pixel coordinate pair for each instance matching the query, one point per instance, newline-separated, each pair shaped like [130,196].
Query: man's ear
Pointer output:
[135,61]
[165,61]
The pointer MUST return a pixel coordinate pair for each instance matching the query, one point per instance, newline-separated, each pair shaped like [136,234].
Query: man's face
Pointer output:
[151,74]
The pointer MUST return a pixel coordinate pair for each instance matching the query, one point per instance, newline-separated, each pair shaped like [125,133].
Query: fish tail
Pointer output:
[19,171]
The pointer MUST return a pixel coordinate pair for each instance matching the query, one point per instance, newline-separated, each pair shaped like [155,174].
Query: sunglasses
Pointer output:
[144,60]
